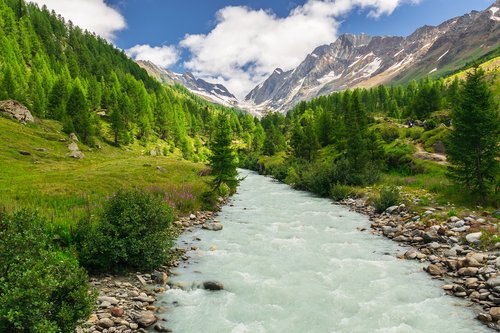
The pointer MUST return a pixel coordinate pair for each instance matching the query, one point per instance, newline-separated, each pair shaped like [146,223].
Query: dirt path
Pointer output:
[434,157]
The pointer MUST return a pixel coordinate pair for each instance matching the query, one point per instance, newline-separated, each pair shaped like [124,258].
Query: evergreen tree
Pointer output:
[79,114]
[473,143]
[223,159]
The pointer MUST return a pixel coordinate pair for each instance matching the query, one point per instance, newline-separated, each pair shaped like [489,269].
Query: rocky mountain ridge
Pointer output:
[215,93]
[365,61]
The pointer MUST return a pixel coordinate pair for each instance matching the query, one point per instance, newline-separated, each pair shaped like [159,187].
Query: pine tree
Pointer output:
[79,114]
[473,143]
[223,159]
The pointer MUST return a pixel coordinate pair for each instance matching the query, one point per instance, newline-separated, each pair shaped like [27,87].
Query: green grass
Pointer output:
[62,188]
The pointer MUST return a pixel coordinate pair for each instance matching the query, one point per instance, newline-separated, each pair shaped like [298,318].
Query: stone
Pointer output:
[435,270]
[145,318]
[161,328]
[159,277]
[161,169]
[392,209]
[214,226]
[72,137]
[484,317]
[474,238]
[43,150]
[133,326]
[105,323]
[17,111]
[144,299]
[411,254]
[24,152]
[117,312]
[105,304]
[213,285]
[493,282]
[111,300]
[192,217]
[431,236]
[495,313]
[497,262]
[468,271]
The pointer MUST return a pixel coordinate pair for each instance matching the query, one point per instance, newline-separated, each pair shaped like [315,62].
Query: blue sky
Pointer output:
[239,43]
[158,22]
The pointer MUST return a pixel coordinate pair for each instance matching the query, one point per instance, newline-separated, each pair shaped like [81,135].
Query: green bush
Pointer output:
[389,133]
[132,232]
[414,133]
[389,196]
[430,124]
[42,289]
[209,200]
[340,192]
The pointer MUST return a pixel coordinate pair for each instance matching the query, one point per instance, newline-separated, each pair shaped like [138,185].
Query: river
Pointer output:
[294,263]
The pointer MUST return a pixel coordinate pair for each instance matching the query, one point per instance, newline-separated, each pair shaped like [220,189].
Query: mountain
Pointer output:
[366,61]
[215,93]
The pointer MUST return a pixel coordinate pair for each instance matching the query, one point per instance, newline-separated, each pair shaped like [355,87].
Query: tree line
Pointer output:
[348,137]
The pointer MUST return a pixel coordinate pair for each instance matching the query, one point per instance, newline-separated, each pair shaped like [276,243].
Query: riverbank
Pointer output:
[450,247]
[128,303]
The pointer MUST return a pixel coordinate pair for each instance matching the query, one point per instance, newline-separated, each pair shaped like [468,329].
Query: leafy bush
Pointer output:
[340,192]
[42,289]
[132,232]
[389,133]
[389,196]
[399,158]
[414,133]
[209,200]
[430,124]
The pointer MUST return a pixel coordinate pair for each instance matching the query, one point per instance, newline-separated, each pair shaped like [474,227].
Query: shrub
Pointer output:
[389,196]
[209,200]
[42,288]
[389,133]
[340,192]
[430,124]
[132,232]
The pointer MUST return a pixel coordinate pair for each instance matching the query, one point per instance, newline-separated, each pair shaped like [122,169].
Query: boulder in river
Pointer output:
[213,285]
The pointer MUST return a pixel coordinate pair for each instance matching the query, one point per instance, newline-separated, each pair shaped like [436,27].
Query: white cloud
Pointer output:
[93,15]
[163,56]
[246,45]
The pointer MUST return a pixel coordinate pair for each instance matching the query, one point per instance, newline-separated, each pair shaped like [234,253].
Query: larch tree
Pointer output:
[223,159]
[473,146]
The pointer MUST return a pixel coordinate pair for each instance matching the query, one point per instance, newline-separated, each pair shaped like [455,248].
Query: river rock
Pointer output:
[145,299]
[468,271]
[474,238]
[435,270]
[111,300]
[105,323]
[495,313]
[161,328]
[411,254]
[214,226]
[431,236]
[213,285]
[117,312]
[159,277]
[392,209]
[145,318]
[484,317]
[493,282]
